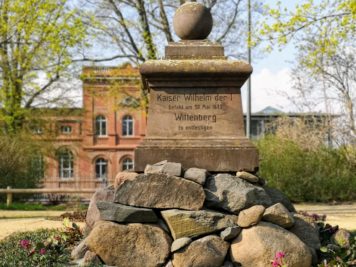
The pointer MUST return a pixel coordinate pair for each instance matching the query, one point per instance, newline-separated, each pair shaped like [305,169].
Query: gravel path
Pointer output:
[343,215]
[21,221]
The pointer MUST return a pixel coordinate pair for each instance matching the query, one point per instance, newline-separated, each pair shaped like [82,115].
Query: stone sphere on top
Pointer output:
[192,21]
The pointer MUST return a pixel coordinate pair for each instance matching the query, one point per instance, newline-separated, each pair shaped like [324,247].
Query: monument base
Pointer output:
[227,155]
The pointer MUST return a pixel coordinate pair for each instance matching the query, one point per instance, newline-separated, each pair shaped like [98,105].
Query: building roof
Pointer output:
[66,112]
[125,71]
[269,111]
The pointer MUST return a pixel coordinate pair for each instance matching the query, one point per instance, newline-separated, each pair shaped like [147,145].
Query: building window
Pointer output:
[36,129]
[127,125]
[100,126]
[127,164]
[101,168]
[65,163]
[37,165]
[66,129]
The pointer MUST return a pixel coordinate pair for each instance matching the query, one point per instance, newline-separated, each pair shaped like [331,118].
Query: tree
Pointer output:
[138,29]
[330,22]
[21,161]
[324,74]
[329,85]
[37,38]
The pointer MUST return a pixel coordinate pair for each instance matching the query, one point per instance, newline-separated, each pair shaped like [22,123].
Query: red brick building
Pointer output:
[96,142]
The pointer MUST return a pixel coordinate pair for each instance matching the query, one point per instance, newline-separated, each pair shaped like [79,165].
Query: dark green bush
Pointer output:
[316,174]
[21,161]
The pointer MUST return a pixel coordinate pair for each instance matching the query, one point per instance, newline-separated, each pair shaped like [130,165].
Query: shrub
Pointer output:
[317,174]
[48,248]
[21,161]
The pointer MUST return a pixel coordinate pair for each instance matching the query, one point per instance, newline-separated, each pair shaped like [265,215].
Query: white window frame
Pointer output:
[127,163]
[101,162]
[101,125]
[127,121]
[65,172]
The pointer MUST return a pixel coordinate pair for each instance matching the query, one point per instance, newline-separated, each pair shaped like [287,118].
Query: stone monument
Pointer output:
[195,113]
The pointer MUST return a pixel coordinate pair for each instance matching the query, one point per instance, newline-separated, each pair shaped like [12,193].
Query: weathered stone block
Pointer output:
[169,168]
[134,245]
[196,175]
[93,214]
[278,214]
[209,251]
[256,246]
[161,191]
[196,223]
[250,216]
[233,194]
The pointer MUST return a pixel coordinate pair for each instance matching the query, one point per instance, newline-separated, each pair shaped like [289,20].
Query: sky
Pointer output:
[271,76]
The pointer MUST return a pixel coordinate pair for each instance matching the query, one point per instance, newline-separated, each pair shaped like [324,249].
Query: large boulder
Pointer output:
[278,196]
[257,246]
[161,191]
[195,223]
[136,245]
[125,214]
[209,251]
[233,194]
[278,214]
[93,214]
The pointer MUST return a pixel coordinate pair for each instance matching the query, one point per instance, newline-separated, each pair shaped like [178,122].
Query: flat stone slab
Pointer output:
[125,214]
[161,191]
[169,168]
[196,223]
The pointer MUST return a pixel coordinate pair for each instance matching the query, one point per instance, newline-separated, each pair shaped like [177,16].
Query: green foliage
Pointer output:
[327,22]
[36,42]
[21,161]
[48,248]
[331,252]
[318,174]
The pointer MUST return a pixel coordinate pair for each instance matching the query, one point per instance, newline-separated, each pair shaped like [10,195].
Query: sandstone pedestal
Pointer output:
[195,113]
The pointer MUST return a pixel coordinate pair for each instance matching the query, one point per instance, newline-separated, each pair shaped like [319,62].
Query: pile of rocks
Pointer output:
[170,217]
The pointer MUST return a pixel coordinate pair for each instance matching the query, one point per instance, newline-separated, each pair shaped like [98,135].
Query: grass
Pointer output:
[39,207]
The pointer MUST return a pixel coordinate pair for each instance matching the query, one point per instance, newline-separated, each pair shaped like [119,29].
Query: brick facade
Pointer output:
[96,142]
